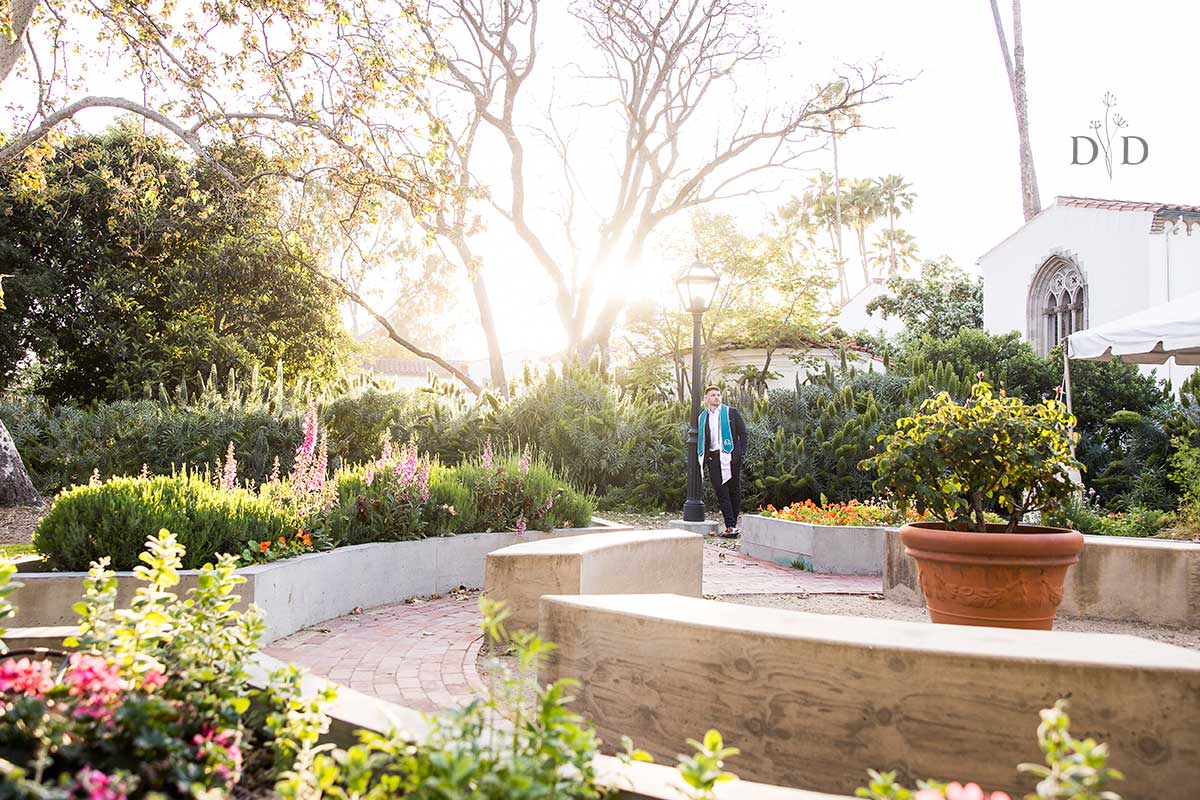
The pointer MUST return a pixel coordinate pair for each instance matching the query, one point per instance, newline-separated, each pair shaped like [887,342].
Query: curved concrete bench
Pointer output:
[629,562]
[814,700]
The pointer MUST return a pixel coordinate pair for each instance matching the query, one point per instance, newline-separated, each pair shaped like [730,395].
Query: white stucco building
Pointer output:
[1083,262]
[853,316]
[790,364]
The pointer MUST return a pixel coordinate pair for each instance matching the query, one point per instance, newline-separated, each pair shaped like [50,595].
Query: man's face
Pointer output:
[713,398]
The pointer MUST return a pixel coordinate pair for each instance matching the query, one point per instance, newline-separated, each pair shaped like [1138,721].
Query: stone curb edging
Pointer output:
[302,591]
[837,549]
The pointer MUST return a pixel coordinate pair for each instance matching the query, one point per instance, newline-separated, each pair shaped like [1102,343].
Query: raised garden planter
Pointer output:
[837,549]
[308,589]
[1153,581]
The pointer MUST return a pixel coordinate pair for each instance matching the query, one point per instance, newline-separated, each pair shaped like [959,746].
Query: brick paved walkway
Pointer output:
[422,654]
[730,572]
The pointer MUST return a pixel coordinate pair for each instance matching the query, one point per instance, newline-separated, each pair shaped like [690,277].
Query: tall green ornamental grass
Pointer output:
[114,518]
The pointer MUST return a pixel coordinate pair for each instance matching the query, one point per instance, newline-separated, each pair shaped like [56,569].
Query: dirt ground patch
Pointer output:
[17,523]
[879,608]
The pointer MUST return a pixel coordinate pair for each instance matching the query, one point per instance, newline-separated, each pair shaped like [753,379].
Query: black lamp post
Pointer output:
[697,286]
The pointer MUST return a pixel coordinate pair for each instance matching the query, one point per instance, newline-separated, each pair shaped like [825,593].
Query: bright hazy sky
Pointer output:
[950,131]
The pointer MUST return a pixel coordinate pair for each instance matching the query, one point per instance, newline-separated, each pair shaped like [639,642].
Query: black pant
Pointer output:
[729,494]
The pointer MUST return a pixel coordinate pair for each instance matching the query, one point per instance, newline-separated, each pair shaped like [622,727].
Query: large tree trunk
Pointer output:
[837,206]
[1014,65]
[892,241]
[15,487]
[488,322]
[862,253]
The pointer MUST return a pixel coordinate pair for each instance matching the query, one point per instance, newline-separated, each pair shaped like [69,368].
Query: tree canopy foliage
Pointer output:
[941,302]
[134,265]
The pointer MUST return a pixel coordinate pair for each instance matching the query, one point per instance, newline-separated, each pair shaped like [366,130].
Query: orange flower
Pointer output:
[282,540]
[304,537]
[264,546]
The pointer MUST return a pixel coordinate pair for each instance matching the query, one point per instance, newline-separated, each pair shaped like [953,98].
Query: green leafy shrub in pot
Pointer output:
[953,459]
[112,520]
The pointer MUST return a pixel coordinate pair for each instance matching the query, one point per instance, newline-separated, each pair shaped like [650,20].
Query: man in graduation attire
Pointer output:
[720,448]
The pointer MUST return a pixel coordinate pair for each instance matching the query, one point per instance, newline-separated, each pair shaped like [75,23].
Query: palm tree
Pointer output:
[896,196]
[864,206]
[820,206]
[894,249]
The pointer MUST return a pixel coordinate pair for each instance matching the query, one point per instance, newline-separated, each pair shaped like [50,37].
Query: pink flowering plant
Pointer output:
[155,697]
[389,499]
[519,491]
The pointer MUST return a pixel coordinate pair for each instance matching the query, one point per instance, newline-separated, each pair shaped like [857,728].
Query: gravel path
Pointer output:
[875,606]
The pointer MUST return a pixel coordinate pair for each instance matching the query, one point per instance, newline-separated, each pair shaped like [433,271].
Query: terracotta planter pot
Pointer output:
[1006,580]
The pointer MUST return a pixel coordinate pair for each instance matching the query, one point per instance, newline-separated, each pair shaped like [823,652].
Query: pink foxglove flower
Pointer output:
[321,467]
[406,467]
[487,453]
[386,454]
[310,430]
[229,476]
[369,477]
[549,504]
[423,481]
[32,678]
[521,525]
[523,464]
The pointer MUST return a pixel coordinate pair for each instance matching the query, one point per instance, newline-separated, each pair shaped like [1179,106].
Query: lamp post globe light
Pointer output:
[697,285]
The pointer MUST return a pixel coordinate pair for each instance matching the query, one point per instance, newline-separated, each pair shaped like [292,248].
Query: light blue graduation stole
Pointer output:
[726,431]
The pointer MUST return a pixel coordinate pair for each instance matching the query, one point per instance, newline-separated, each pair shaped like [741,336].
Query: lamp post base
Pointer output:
[703,527]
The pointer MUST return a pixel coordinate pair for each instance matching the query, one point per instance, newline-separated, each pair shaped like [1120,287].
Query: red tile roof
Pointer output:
[1162,211]
[413,366]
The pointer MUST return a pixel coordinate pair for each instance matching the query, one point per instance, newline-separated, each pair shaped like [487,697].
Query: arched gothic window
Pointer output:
[1057,303]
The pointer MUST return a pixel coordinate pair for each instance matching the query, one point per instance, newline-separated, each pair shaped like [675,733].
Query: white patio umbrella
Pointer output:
[1150,336]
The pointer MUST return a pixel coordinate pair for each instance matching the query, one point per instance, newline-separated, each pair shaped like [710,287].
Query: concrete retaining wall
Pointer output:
[1135,580]
[837,549]
[632,562]
[307,589]
[814,700]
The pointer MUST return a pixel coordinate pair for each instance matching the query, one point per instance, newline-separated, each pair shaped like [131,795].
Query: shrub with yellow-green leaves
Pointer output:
[955,460]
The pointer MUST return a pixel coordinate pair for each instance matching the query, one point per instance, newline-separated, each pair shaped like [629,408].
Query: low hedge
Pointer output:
[365,504]
[467,498]
[114,518]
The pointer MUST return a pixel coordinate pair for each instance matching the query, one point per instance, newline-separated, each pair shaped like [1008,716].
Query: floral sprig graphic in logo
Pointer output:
[1112,123]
